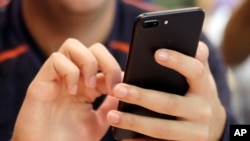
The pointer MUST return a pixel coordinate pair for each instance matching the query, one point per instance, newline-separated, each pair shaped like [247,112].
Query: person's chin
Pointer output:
[82,6]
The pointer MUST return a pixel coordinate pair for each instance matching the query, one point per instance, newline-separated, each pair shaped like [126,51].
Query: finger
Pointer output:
[192,69]
[108,65]
[83,58]
[158,128]
[144,139]
[55,69]
[202,54]
[165,103]
[110,103]
[101,83]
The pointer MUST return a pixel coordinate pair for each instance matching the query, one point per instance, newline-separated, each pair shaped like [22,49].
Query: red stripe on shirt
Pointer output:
[121,46]
[144,5]
[13,53]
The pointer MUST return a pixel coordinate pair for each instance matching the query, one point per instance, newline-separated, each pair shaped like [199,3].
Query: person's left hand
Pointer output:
[200,114]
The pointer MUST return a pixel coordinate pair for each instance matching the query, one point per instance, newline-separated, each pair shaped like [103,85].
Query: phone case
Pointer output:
[173,29]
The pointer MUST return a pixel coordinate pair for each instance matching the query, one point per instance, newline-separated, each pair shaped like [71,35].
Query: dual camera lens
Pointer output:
[150,23]
[153,23]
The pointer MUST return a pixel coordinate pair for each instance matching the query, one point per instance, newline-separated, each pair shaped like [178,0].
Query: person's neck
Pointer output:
[50,30]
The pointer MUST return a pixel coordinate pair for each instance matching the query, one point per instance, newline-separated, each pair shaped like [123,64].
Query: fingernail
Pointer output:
[162,55]
[74,89]
[92,82]
[200,50]
[113,117]
[199,53]
[121,91]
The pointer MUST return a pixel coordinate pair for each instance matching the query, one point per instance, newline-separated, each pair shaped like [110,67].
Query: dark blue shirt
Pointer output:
[21,58]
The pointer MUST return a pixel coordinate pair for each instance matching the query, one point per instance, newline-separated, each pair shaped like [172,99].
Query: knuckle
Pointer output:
[129,121]
[206,115]
[169,105]
[97,46]
[56,58]
[136,95]
[55,55]
[173,58]
[199,71]
[69,42]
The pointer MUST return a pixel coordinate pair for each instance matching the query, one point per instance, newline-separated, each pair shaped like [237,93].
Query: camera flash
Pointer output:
[166,22]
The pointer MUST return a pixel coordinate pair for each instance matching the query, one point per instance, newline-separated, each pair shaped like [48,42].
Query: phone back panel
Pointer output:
[177,30]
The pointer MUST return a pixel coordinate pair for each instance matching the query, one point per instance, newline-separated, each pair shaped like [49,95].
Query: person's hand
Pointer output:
[200,114]
[58,104]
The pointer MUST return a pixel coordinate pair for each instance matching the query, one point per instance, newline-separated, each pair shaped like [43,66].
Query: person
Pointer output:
[236,53]
[68,44]
[218,13]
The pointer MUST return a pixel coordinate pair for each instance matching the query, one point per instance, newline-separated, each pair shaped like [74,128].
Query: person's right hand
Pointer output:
[58,104]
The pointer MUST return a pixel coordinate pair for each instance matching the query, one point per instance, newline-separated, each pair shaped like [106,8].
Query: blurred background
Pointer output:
[175,3]
[217,14]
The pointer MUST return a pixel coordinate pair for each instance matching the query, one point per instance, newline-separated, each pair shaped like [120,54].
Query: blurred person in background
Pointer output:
[173,4]
[34,39]
[236,51]
[217,14]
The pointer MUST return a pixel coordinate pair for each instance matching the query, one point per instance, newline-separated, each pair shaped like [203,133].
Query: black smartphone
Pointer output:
[177,30]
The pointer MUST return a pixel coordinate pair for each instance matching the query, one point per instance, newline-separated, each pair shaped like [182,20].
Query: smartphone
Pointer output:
[177,30]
